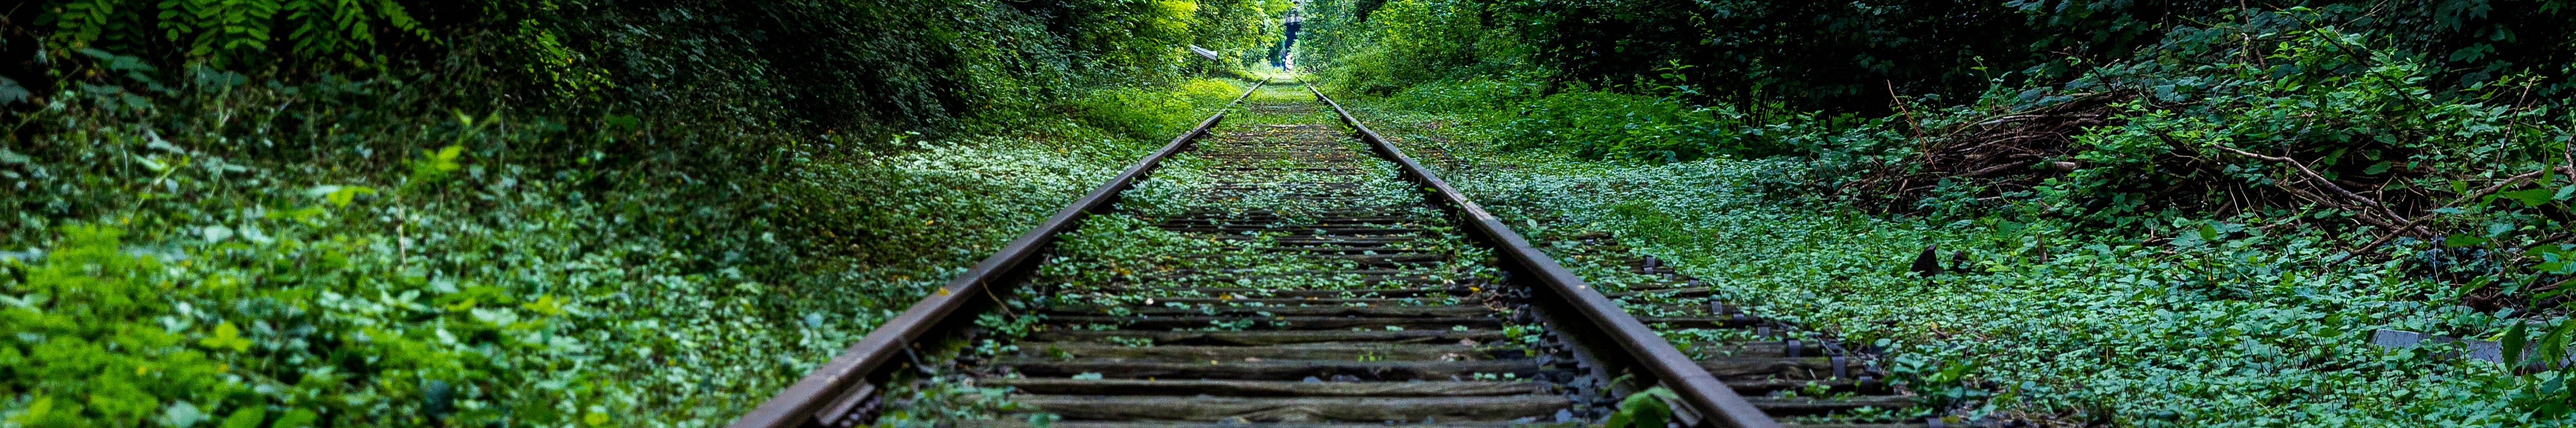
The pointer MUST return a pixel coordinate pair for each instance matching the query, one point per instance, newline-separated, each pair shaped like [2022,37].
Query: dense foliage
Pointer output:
[326,213]
[1856,56]
[2123,178]
[2045,321]
[389,213]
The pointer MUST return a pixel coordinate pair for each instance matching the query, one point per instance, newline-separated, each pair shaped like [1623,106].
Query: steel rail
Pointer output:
[844,383]
[1712,399]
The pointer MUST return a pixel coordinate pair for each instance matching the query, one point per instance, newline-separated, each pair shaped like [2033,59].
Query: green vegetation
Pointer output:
[2244,329]
[287,213]
[2177,215]
[273,213]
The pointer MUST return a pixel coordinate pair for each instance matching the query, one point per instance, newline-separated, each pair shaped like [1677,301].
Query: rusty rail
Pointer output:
[846,386]
[844,389]
[1712,400]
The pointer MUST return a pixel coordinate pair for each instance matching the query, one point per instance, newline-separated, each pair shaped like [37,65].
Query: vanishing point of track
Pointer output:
[1307,274]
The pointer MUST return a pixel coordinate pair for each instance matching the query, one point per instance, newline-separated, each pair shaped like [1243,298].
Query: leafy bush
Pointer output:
[112,363]
[2235,326]
[2198,263]
[1403,43]
[1598,124]
[2324,133]
[2183,190]
[2368,124]
[399,266]
[1603,124]
[1149,113]
[1856,56]
[876,68]
[555,214]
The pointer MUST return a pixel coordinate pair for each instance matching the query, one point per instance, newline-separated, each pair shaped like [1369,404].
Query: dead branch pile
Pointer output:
[2007,152]
[2012,152]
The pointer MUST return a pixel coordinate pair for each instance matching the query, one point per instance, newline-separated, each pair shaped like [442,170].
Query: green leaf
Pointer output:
[2462,240]
[2553,347]
[343,196]
[2472,285]
[2532,197]
[2515,341]
[449,154]
[1645,409]
[247,417]
[226,336]
[544,305]
[298,418]
[2208,232]
[434,166]
[177,414]
[1952,372]
[152,163]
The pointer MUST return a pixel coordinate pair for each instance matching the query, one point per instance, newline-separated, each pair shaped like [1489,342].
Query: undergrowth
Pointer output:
[289,213]
[2205,235]
[204,256]
[2235,326]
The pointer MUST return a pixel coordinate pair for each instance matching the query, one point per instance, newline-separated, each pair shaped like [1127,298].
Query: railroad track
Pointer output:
[1787,371]
[1283,269]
